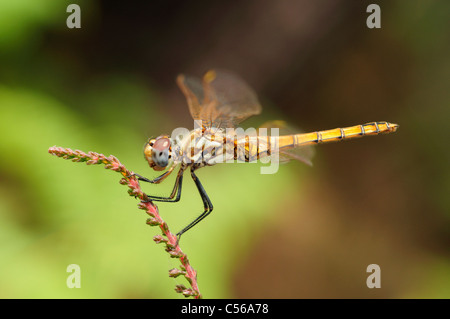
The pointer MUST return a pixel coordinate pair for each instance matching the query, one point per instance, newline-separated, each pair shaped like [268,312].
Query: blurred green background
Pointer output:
[305,232]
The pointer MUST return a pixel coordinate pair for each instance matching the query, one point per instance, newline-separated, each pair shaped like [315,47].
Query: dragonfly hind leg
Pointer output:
[208,206]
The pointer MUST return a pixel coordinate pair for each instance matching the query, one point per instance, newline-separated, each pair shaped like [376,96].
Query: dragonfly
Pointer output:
[218,103]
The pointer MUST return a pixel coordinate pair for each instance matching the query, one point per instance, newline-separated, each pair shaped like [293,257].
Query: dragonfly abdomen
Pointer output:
[337,134]
[252,148]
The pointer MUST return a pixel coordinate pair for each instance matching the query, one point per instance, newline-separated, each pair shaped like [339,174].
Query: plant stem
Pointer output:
[129,179]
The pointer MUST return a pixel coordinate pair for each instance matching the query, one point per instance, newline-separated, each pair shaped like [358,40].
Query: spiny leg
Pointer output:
[206,203]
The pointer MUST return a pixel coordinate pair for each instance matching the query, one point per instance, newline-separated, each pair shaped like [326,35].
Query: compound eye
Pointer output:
[160,152]
[161,144]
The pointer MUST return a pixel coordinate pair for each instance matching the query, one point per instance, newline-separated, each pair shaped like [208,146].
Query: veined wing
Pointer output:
[303,153]
[220,99]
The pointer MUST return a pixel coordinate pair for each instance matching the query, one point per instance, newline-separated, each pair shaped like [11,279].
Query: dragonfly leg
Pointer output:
[208,206]
[157,180]
[176,190]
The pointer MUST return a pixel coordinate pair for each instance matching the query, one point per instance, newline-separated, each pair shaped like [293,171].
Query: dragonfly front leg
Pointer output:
[176,190]
[157,180]
[208,206]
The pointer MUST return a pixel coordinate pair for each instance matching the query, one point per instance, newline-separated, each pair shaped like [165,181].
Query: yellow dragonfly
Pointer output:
[218,103]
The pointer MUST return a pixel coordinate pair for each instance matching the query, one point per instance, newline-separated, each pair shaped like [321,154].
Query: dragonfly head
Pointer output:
[158,152]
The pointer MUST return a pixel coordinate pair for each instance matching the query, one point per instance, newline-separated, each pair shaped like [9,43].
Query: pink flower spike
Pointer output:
[127,178]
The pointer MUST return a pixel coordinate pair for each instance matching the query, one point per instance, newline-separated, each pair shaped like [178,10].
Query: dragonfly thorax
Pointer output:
[202,147]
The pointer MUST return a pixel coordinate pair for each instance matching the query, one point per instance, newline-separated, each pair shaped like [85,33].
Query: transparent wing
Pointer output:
[221,99]
[303,153]
[192,89]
